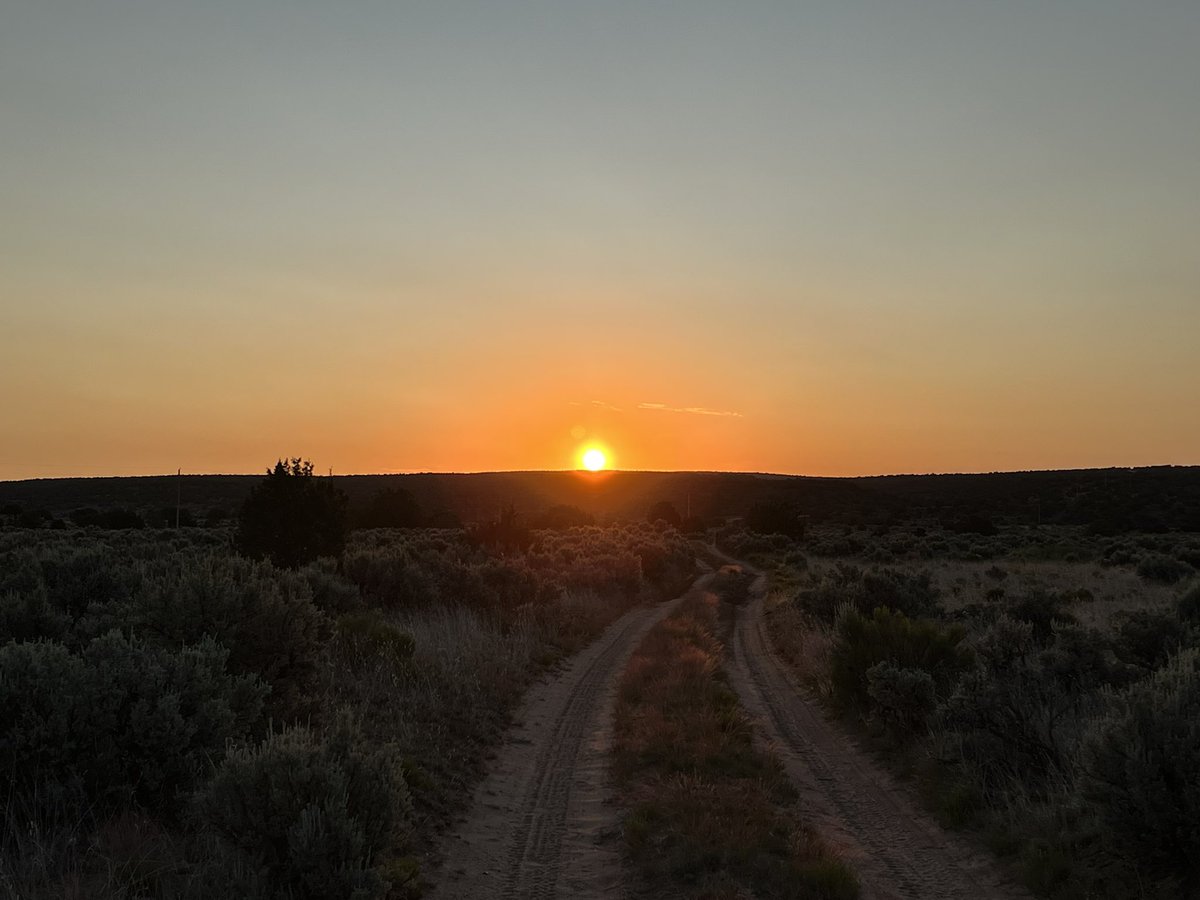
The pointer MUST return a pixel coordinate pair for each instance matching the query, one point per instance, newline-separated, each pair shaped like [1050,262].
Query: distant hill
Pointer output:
[1163,498]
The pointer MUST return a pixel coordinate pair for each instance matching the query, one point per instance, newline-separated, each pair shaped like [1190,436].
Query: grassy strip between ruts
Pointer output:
[709,814]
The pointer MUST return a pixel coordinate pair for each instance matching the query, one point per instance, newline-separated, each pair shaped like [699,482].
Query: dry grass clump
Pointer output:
[710,815]
[801,641]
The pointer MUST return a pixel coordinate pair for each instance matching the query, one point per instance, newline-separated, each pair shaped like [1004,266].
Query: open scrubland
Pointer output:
[1038,687]
[536,707]
[180,721]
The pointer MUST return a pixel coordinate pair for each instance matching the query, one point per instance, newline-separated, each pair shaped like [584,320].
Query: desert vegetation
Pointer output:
[236,712]
[1035,685]
[293,693]
[710,813]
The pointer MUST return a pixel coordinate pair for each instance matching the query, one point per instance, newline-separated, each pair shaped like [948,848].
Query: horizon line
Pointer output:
[411,473]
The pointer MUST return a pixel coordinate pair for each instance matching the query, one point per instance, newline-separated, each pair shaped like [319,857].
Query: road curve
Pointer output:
[898,852]
[542,823]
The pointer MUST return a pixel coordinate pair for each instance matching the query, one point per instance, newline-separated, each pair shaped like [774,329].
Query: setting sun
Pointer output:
[593,460]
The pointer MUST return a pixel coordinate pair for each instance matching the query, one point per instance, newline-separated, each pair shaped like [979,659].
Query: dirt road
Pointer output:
[897,851]
[542,824]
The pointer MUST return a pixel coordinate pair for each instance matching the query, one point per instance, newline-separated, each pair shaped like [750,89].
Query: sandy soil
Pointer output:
[543,823]
[897,851]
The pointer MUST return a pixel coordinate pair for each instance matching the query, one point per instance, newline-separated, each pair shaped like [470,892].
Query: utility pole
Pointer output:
[178,494]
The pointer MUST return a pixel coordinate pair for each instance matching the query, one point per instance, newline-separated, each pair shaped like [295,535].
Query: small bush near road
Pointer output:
[302,817]
[891,637]
[1140,765]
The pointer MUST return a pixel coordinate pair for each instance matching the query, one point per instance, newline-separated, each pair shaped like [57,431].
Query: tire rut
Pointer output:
[898,852]
[542,824]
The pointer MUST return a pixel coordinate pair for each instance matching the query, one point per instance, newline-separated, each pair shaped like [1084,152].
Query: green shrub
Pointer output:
[912,594]
[1141,763]
[902,699]
[1042,611]
[120,721]
[332,593]
[28,615]
[367,637]
[1188,606]
[265,617]
[1163,569]
[391,578]
[888,636]
[832,589]
[1018,714]
[299,816]
[1147,639]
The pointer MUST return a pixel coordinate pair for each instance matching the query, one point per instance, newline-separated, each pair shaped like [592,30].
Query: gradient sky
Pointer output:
[821,238]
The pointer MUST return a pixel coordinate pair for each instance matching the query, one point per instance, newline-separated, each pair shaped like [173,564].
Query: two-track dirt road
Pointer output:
[897,851]
[542,823]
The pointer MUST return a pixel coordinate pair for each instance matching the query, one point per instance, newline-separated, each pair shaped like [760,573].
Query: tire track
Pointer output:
[898,852]
[542,824]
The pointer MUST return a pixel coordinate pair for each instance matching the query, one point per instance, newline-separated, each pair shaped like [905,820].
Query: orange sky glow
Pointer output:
[838,240]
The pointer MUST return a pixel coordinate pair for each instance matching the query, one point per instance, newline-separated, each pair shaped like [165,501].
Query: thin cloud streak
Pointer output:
[599,404]
[694,410]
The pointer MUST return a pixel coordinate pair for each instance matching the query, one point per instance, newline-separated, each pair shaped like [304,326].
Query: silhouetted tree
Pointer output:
[776,517]
[664,510]
[292,517]
[392,508]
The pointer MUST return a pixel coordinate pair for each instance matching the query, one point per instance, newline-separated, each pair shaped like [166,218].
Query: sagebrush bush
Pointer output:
[832,589]
[1147,639]
[886,636]
[332,593]
[28,615]
[1188,606]
[121,722]
[1019,714]
[911,593]
[392,578]
[265,616]
[305,817]
[1042,611]
[368,637]
[902,699]
[1140,770]
[1163,569]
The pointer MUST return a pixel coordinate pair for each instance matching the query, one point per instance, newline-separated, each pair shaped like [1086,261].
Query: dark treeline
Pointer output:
[1106,501]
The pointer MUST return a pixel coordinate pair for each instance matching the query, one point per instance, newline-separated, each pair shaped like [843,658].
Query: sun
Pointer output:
[594,460]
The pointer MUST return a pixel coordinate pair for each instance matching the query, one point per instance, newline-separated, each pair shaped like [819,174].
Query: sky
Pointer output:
[820,238]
